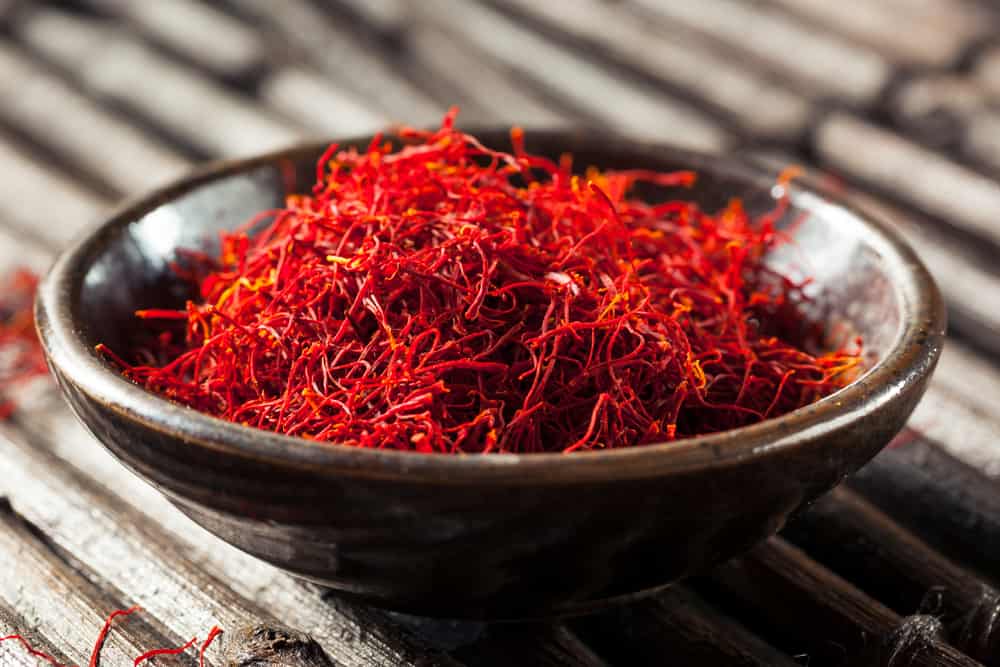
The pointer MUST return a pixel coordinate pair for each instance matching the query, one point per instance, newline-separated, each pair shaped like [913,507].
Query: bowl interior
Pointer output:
[851,288]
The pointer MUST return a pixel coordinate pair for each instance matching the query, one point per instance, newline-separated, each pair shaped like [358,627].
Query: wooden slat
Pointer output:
[961,409]
[319,104]
[171,567]
[350,61]
[552,645]
[55,115]
[199,31]
[388,18]
[816,61]
[813,608]
[128,552]
[899,31]
[981,142]
[677,59]
[12,652]
[680,624]
[636,109]
[986,71]
[857,541]
[114,67]
[41,202]
[948,503]
[70,607]
[935,108]
[461,65]
[952,193]
[18,251]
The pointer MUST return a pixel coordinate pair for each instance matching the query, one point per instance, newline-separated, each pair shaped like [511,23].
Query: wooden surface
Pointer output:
[899,99]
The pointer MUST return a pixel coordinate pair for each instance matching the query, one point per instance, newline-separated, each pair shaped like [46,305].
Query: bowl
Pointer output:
[490,536]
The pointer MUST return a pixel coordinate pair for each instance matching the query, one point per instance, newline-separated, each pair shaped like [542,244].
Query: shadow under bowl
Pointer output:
[490,536]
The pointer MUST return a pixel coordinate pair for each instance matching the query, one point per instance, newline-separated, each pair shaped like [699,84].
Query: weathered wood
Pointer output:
[980,143]
[68,606]
[315,37]
[39,201]
[936,108]
[638,110]
[811,608]
[986,70]
[12,652]
[113,67]
[319,104]
[267,644]
[387,18]
[961,425]
[947,503]
[954,194]
[176,561]
[495,94]
[902,31]
[822,64]
[679,624]
[197,30]
[168,576]
[552,645]
[35,102]
[676,59]
[852,537]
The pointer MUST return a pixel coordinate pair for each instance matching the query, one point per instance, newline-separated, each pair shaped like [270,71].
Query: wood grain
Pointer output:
[825,615]
[680,624]
[68,603]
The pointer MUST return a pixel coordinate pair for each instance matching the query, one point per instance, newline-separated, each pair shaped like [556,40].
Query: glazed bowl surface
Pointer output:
[494,536]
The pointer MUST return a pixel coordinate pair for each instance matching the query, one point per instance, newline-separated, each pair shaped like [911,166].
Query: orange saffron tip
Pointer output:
[160,314]
[790,173]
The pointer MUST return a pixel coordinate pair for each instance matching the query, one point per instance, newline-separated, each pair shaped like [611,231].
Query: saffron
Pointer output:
[163,651]
[95,655]
[31,651]
[21,357]
[445,297]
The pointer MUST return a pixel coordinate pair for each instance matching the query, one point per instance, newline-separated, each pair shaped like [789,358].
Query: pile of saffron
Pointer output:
[95,653]
[442,296]
[21,358]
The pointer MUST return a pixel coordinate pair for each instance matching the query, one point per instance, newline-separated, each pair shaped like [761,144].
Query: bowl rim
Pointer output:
[912,355]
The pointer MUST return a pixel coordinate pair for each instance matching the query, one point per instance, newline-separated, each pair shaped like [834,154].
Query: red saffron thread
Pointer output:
[163,651]
[446,297]
[102,636]
[21,357]
[212,634]
[31,651]
[95,655]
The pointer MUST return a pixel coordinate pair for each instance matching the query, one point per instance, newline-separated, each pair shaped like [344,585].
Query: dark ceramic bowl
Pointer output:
[496,536]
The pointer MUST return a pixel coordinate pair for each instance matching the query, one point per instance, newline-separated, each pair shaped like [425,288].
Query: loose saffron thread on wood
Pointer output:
[149,655]
[212,634]
[95,655]
[31,650]
[447,297]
